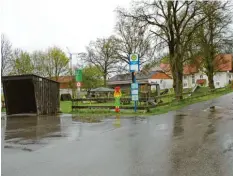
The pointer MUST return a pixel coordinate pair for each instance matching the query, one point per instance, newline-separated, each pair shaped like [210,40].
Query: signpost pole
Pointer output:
[78,77]
[134,67]
[134,81]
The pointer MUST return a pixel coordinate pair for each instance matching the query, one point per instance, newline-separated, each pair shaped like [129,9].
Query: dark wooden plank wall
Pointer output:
[47,96]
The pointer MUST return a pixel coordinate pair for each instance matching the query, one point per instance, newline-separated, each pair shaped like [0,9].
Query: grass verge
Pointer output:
[196,99]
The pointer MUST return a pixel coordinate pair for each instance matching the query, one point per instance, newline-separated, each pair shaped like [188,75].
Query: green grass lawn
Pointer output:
[65,106]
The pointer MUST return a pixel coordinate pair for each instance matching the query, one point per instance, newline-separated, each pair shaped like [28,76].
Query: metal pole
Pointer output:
[71,74]
[71,68]
[134,81]
[71,64]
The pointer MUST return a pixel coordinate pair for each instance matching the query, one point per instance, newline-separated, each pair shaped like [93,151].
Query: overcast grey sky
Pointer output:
[37,24]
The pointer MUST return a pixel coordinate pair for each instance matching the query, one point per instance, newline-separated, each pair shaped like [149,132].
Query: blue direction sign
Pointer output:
[134,85]
[134,97]
[134,91]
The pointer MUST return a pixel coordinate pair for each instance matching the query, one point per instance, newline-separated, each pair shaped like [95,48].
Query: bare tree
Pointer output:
[228,46]
[6,55]
[133,37]
[174,23]
[102,54]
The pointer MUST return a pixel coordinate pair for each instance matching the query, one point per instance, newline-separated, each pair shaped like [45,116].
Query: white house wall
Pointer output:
[221,79]
[231,76]
[65,91]
[188,79]
[163,83]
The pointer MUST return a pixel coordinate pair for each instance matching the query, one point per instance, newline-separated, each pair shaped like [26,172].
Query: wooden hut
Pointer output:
[30,94]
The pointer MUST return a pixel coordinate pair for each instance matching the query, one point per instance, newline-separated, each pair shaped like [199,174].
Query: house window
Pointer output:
[201,76]
[185,84]
[185,77]
[193,79]
[217,83]
[161,81]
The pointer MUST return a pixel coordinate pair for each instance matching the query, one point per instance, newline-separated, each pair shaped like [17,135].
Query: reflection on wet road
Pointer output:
[193,141]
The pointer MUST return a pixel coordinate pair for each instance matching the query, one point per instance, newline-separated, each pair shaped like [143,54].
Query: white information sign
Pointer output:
[134,92]
[134,97]
[134,63]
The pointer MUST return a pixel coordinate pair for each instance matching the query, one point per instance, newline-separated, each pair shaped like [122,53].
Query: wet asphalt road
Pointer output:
[193,141]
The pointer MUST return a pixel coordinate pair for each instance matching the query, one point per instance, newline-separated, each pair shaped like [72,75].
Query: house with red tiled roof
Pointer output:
[143,78]
[194,73]
[67,83]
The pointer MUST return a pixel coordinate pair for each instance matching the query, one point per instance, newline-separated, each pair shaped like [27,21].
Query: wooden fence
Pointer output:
[160,100]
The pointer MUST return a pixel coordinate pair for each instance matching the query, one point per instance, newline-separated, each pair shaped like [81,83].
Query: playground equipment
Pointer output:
[117,96]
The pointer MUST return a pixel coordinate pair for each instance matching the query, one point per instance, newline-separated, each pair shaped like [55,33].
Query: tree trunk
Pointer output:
[177,74]
[105,80]
[211,80]
[179,91]
[178,83]
[174,81]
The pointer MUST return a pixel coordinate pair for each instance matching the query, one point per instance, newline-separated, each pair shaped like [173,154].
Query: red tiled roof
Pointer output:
[222,62]
[190,69]
[160,75]
[65,81]
[166,68]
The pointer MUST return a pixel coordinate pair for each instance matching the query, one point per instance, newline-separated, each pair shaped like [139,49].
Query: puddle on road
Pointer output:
[88,119]
[27,132]
[178,129]
[228,143]
[32,132]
